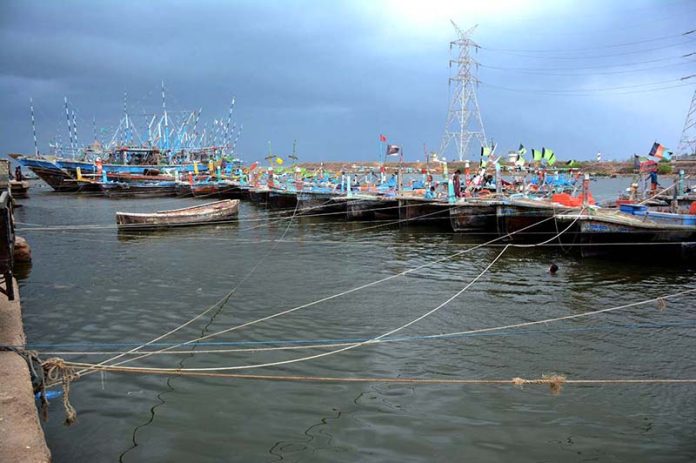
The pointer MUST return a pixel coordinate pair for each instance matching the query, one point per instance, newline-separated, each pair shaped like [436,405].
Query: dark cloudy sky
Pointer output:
[576,76]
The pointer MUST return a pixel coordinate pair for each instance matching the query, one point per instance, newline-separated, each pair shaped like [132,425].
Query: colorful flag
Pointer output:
[393,150]
[486,151]
[522,150]
[382,138]
[549,155]
[536,155]
[660,152]
[279,161]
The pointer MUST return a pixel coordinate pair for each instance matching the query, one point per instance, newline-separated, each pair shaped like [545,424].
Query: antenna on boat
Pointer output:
[228,135]
[293,156]
[33,127]
[236,139]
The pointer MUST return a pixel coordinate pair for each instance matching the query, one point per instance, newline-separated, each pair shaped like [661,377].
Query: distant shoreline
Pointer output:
[603,169]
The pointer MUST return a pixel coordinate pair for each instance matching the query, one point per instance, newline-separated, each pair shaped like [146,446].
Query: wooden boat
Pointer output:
[531,216]
[282,199]
[635,235]
[135,190]
[205,214]
[371,207]
[474,215]
[415,210]
[319,201]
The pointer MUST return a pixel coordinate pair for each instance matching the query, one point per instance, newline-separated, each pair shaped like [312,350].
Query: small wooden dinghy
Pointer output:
[210,213]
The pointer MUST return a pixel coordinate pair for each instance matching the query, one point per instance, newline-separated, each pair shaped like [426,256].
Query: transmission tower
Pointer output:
[687,144]
[463,117]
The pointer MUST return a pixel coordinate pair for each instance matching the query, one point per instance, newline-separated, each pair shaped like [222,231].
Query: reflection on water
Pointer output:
[100,290]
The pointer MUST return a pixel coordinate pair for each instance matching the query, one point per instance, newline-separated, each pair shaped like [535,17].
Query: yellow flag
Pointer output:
[279,161]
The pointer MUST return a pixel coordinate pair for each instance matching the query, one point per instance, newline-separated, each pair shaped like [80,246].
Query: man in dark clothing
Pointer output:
[457,184]
[18,174]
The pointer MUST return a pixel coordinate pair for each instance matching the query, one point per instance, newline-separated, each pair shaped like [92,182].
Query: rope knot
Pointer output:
[56,370]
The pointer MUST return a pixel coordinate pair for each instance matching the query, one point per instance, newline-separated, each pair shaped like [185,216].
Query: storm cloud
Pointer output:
[334,75]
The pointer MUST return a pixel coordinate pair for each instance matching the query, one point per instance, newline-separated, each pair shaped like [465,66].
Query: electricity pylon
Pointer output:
[463,118]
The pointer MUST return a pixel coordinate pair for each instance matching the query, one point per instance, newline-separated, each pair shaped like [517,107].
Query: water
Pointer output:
[96,289]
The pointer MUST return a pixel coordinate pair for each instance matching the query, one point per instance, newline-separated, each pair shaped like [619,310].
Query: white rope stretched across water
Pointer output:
[345,348]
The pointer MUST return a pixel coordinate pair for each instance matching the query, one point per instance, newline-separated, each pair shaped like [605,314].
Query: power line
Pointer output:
[610,55]
[589,92]
[572,74]
[625,44]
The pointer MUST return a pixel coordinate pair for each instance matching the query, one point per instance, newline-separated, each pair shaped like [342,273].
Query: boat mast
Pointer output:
[126,121]
[33,127]
[165,145]
[74,121]
[67,115]
[228,134]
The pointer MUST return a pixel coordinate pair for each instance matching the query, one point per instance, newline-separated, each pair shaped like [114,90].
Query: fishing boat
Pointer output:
[138,190]
[282,199]
[633,231]
[48,171]
[259,195]
[530,219]
[474,215]
[419,210]
[205,214]
[371,207]
[319,201]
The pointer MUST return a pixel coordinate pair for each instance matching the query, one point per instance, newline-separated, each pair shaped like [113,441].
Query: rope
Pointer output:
[555,382]
[342,349]
[343,293]
[314,344]
[459,333]
[221,303]
[56,370]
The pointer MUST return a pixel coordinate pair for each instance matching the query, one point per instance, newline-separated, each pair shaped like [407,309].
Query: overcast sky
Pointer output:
[575,76]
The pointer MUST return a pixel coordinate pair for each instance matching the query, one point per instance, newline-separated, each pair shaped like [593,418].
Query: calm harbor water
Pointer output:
[94,289]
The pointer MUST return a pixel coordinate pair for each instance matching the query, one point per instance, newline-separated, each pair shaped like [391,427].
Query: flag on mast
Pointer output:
[660,152]
[382,138]
[393,150]
[549,155]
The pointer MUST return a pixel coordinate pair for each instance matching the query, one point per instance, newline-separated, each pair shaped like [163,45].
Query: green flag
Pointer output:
[549,155]
[536,155]
[522,150]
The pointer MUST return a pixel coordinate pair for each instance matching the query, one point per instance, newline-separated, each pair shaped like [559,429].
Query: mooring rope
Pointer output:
[302,344]
[342,349]
[343,293]
[445,335]
[221,303]
[555,381]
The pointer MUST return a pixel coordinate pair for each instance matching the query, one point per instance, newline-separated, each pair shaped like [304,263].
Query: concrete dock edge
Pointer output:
[21,436]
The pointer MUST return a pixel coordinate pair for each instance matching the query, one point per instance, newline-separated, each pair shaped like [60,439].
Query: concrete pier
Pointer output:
[21,436]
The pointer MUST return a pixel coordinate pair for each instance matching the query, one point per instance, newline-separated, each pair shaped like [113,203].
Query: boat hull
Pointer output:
[206,214]
[473,218]
[423,211]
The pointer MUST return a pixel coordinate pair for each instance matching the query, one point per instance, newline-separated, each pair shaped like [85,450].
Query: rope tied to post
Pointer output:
[56,370]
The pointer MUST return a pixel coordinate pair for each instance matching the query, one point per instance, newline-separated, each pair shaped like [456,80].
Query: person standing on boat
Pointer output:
[456,181]
[18,174]
[653,181]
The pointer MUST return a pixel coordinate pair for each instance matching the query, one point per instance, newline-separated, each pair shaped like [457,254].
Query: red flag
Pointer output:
[382,138]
